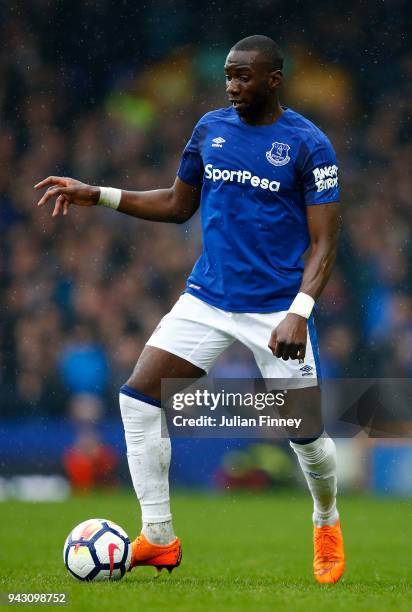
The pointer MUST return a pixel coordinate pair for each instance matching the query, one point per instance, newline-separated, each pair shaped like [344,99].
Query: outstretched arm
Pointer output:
[288,339]
[174,205]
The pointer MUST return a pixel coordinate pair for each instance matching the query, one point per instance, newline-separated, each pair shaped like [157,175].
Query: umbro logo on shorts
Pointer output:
[306,370]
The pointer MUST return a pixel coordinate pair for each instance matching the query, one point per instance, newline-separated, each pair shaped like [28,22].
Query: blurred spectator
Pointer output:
[338,358]
[82,363]
[258,467]
[89,464]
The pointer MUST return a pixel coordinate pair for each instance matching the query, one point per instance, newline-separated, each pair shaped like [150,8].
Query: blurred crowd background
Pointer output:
[109,93]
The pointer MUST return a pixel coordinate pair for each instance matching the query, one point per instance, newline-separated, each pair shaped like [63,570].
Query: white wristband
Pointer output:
[302,305]
[110,197]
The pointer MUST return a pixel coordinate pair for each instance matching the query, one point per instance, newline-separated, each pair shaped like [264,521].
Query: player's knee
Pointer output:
[145,385]
[137,393]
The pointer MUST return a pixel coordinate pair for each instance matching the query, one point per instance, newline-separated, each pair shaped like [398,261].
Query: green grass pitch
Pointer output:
[240,552]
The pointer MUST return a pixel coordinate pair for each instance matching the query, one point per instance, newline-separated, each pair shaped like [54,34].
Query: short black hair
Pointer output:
[265,45]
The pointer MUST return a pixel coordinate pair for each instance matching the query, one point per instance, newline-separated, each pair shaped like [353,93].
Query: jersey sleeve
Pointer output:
[191,163]
[318,169]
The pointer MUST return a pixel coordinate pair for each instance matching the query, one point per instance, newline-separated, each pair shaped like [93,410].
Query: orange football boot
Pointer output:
[161,557]
[329,560]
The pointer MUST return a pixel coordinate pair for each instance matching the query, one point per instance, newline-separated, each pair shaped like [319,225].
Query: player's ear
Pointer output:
[275,79]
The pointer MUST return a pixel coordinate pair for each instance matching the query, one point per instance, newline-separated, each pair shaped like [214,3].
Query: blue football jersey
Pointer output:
[256,184]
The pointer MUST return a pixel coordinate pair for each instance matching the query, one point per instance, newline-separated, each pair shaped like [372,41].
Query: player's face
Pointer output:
[250,84]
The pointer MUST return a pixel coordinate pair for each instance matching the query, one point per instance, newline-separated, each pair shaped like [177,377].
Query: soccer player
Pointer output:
[265,179]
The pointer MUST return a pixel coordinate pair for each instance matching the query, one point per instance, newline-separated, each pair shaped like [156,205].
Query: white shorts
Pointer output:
[199,333]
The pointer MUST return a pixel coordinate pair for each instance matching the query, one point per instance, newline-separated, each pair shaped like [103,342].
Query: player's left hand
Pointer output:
[288,339]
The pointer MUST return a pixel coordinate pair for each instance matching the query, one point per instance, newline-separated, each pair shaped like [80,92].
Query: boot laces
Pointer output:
[326,544]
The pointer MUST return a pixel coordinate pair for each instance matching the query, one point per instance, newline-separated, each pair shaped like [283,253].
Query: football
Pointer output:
[97,549]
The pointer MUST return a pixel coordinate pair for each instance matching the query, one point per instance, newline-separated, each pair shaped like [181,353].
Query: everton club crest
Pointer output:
[278,154]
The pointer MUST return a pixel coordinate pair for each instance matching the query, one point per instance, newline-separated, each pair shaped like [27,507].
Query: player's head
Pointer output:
[253,70]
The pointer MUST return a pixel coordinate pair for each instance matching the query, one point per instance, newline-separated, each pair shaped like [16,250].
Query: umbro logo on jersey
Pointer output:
[306,370]
[218,142]
[278,155]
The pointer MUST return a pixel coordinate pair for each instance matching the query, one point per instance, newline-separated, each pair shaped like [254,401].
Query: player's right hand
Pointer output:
[67,191]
